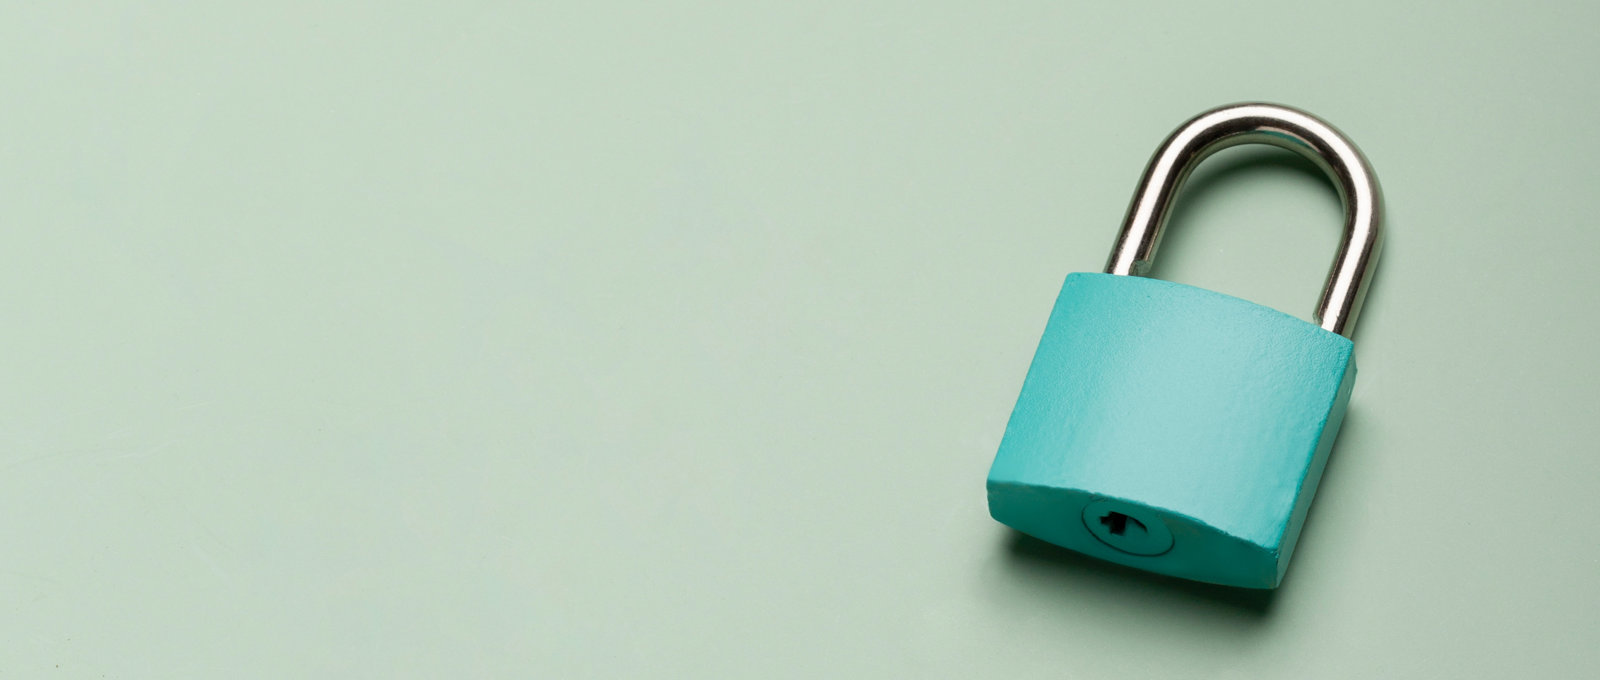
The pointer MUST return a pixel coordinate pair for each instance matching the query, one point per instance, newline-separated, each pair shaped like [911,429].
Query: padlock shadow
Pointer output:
[1025,550]
[1040,563]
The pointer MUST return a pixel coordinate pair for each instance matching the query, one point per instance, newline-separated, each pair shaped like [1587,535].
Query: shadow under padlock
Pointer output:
[1174,429]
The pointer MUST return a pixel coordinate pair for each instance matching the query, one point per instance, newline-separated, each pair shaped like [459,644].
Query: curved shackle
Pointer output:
[1280,126]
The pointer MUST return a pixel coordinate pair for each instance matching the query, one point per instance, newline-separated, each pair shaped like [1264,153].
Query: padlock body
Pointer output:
[1172,429]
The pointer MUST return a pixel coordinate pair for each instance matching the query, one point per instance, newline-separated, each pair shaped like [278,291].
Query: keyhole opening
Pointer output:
[1117,524]
[1139,531]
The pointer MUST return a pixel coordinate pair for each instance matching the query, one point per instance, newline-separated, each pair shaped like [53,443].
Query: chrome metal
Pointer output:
[1279,126]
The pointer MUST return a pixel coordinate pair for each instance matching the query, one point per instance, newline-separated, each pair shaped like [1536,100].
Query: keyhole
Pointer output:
[1117,523]
[1127,527]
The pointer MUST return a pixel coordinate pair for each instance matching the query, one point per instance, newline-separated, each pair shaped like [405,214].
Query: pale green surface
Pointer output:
[498,340]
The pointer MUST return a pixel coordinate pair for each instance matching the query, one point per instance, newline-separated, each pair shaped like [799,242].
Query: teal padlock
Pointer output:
[1179,430]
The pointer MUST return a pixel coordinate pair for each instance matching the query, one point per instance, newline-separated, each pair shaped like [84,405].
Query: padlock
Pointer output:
[1180,430]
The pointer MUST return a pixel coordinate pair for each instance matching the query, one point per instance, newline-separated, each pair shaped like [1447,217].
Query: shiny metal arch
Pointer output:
[1280,126]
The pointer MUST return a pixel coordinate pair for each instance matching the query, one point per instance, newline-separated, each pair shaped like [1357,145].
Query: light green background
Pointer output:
[459,339]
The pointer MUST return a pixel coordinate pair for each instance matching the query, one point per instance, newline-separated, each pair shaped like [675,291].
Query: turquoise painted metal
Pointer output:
[1181,409]
[1179,430]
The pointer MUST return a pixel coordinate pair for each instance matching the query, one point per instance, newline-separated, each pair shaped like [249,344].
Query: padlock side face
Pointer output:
[1173,429]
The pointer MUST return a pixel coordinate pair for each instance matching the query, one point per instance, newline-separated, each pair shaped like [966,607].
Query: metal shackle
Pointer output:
[1280,126]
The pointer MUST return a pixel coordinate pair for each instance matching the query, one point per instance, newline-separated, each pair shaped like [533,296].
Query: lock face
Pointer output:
[1172,429]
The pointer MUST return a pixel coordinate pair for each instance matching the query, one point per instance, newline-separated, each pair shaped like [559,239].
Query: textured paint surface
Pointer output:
[1216,413]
